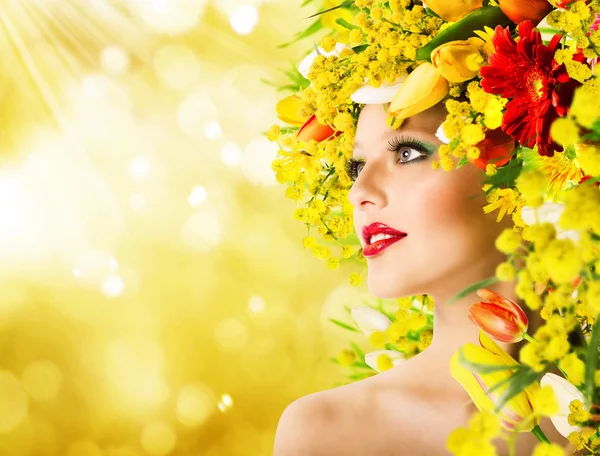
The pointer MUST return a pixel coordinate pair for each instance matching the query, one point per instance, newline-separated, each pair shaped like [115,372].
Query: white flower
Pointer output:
[441,135]
[369,320]
[371,358]
[549,213]
[367,94]
[565,392]
[305,65]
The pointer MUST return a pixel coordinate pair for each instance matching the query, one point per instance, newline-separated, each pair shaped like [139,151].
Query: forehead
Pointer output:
[372,124]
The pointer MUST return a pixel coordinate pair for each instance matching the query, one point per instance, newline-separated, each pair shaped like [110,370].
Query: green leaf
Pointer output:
[306,2]
[343,325]
[358,351]
[483,368]
[311,30]
[591,362]
[473,288]
[506,175]
[463,161]
[343,5]
[344,23]
[464,28]
[517,384]
[360,48]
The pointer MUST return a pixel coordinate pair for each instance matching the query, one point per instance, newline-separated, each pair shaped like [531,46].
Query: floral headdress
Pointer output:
[523,101]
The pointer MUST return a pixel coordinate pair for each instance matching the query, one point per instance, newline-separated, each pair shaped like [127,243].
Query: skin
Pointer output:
[450,245]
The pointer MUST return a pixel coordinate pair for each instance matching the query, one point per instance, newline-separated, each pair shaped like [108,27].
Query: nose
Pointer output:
[369,187]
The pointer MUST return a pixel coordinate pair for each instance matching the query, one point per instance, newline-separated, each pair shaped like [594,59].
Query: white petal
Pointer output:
[441,135]
[304,66]
[367,94]
[369,320]
[546,36]
[371,358]
[568,234]
[547,213]
[565,392]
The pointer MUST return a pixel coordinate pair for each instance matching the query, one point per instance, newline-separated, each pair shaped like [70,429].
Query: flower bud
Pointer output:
[423,88]
[458,61]
[519,10]
[499,317]
[453,10]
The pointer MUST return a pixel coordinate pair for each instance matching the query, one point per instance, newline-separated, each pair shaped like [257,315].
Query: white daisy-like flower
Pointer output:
[371,358]
[565,392]
[367,94]
[369,319]
[549,213]
[441,135]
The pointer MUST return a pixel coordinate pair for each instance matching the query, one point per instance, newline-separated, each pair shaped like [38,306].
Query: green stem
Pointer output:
[528,338]
[537,431]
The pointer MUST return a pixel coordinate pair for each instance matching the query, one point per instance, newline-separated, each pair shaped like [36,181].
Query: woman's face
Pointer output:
[450,241]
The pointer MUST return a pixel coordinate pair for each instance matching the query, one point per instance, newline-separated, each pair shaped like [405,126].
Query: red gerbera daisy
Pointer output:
[540,90]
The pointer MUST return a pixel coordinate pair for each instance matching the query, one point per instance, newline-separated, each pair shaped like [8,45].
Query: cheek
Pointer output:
[449,205]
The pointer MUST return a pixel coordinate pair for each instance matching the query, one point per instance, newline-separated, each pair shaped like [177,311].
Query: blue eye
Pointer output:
[406,150]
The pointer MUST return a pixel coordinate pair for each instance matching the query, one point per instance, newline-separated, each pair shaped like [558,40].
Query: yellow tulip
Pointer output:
[423,88]
[453,10]
[459,61]
[287,110]
[516,409]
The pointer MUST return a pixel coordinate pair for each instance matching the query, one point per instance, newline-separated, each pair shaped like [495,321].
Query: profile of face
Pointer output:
[450,241]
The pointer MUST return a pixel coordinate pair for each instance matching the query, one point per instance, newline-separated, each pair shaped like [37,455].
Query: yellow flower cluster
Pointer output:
[475,440]
[576,21]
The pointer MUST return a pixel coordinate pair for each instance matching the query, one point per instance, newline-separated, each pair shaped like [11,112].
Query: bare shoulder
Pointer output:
[320,423]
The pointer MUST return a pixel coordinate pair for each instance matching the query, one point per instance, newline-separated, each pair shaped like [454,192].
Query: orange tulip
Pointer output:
[496,149]
[499,317]
[312,129]
[522,10]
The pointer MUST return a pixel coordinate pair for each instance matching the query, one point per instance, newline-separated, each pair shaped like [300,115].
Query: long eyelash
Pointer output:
[395,144]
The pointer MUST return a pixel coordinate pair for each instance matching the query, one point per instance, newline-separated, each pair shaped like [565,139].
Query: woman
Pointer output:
[449,244]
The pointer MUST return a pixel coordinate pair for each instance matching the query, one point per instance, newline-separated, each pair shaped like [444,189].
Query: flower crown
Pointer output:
[522,102]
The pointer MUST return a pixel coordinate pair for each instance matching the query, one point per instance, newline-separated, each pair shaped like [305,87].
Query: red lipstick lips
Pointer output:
[378,246]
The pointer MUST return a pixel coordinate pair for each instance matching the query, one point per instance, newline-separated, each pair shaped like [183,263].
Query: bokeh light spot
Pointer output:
[198,196]
[177,65]
[114,60]
[244,19]
[195,403]
[113,286]
[158,439]
[231,154]
[256,304]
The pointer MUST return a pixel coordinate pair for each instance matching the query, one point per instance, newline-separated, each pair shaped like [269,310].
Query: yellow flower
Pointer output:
[508,241]
[505,199]
[563,260]
[422,89]
[288,110]
[346,357]
[544,401]
[588,158]
[548,449]
[517,409]
[573,367]
[453,10]
[458,61]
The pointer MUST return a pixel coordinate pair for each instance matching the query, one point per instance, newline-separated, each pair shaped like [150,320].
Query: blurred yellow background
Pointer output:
[155,297]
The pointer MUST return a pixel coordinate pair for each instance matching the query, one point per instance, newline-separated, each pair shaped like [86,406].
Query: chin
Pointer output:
[383,287]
